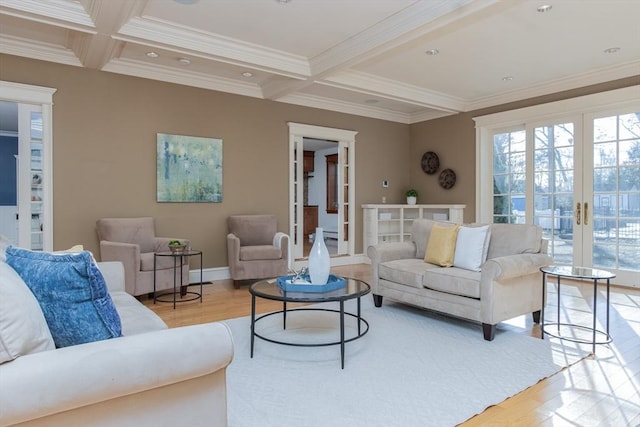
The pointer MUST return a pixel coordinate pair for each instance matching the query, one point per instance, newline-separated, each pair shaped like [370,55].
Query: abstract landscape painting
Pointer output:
[189,169]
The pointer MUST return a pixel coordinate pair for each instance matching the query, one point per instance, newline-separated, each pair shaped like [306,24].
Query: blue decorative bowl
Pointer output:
[333,282]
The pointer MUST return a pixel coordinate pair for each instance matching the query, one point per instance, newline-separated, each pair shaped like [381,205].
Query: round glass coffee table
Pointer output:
[269,289]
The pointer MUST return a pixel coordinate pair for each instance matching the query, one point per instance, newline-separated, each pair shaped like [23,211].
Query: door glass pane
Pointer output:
[616,196]
[553,188]
[509,179]
[37,182]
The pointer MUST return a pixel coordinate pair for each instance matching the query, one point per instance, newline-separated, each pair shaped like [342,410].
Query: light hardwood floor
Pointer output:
[598,391]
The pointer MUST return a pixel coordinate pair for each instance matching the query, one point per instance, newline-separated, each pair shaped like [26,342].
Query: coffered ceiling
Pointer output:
[399,60]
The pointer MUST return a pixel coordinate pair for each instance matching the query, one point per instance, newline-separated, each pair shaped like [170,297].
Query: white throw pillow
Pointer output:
[472,246]
[23,329]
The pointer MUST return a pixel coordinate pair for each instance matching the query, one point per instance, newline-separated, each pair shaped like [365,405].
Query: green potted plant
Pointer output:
[412,196]
[176,246]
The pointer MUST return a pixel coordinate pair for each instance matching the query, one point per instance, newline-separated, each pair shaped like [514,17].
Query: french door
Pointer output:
[345,188]
[29,223]
[578,177]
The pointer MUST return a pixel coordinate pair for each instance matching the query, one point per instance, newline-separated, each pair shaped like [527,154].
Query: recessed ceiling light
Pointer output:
[432,52]
[247,74]
[152,54]
[184,61]
[507,78]
[612,50]
[544,8]
[186,1]
[283,1]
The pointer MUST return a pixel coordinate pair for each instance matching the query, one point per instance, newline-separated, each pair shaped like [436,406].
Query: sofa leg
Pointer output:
[377,300]
[489,331]
[236,284]
[536,316]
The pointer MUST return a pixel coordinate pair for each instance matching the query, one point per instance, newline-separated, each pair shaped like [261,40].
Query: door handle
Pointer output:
[586,213]
[578,213]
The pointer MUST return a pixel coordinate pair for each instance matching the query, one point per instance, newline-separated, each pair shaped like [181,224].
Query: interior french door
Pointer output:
[30,224]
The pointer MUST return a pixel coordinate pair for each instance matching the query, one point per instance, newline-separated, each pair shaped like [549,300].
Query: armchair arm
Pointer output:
[510,266]
[128,254]
[105,370]
[281,241]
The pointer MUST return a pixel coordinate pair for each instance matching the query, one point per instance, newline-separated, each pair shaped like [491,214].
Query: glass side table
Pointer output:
[556,329]
[178,257]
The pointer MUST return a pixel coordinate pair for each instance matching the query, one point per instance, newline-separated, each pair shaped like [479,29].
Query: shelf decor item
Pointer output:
[319,262]
[412,196]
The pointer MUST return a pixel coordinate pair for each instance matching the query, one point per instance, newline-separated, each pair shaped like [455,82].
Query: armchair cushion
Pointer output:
[253,230]
[72,294]
[140,231]
[259,252]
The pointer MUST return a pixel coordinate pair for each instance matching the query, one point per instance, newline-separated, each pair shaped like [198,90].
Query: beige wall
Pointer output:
[104,155]
[453,139]
[105,129]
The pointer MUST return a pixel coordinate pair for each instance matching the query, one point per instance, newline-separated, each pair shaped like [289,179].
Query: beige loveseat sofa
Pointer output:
[151,376]
[508,284]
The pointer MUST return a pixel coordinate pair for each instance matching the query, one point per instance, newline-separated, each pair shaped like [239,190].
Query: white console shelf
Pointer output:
[392,223]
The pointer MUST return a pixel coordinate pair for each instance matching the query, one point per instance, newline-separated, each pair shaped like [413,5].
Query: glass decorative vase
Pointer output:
[319,262]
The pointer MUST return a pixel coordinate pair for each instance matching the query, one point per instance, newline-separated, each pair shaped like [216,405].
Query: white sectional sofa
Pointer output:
[508,284]
[151,376]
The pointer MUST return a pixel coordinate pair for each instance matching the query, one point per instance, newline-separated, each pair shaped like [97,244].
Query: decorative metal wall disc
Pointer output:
[430,162]
[447,179]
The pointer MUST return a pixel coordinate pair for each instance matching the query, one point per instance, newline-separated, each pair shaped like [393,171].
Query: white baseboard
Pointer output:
[222,273]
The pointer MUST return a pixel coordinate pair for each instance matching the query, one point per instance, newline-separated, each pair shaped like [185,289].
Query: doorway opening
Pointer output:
[321,188]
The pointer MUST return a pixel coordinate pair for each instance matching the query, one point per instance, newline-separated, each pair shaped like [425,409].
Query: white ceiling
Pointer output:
[365,57]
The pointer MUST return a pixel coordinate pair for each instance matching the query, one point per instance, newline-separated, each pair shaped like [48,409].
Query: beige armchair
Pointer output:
[255,248]
[132,241]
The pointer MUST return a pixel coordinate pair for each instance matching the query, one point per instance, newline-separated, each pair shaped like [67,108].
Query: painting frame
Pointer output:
[188,169]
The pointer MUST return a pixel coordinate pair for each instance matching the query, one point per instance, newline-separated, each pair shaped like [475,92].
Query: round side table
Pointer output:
[178,257]
[555,329]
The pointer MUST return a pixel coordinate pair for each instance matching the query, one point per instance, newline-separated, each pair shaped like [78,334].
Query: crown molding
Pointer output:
[182,77]
[167,35]
[38,50]
[59,13]
[602,75]
[330,104]
[391,89]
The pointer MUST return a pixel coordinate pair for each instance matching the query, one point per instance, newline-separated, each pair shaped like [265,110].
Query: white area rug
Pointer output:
[413,368]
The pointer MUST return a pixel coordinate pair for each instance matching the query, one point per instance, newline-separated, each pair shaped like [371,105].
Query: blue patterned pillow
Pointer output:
[72,294]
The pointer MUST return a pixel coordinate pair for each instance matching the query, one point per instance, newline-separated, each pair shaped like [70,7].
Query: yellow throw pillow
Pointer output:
[442,245]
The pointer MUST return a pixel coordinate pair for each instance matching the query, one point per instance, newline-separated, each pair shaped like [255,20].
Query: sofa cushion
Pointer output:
[512,239]
[472,245]
[72,294]
[259,252]
[23,329]
[456,281]
[407,271]
[420,233]
[442,245]
[135,317]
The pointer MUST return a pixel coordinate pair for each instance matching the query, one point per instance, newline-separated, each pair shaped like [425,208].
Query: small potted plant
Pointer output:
[412,196]
[176,246]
